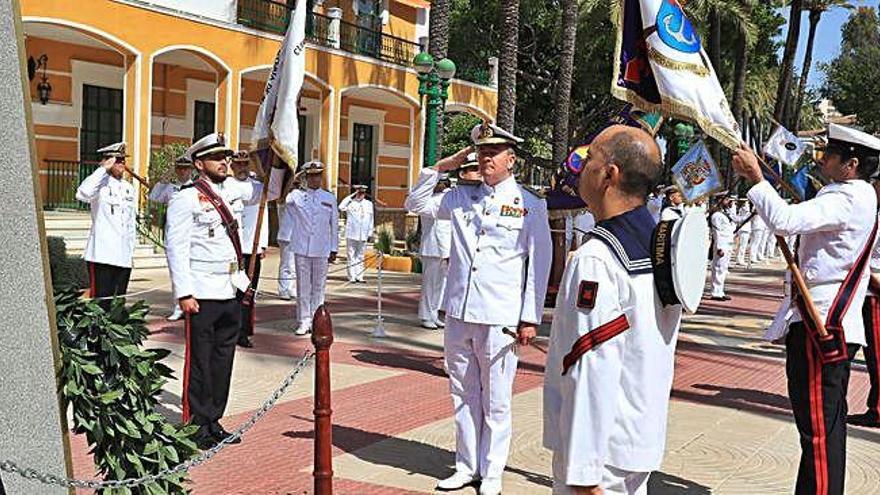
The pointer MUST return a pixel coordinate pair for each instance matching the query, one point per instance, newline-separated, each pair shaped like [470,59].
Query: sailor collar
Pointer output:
[628,236]
[507,185]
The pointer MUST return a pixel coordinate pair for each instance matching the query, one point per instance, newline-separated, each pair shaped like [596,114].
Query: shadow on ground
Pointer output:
[661,483]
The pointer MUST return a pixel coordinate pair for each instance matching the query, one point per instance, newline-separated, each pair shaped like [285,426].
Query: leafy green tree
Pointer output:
[854,76]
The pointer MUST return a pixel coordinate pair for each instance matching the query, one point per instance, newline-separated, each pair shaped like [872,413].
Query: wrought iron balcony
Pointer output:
[273,16]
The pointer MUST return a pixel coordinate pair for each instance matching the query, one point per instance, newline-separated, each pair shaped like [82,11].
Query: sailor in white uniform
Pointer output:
[241,172]
[434,255]
[723,223]
[675,210]
[744,218]
[314,241]
[112,238]
[612,343]
[358,229]
[203,246]
[837,232]
[162,192]
[499,266]
[286,268]
[576,227]
[756,243]
[655,202]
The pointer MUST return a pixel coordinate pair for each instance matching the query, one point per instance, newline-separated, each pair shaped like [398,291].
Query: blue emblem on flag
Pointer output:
[675,29]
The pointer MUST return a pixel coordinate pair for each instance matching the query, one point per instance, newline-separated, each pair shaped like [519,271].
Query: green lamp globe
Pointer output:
[423,62]
[446,69]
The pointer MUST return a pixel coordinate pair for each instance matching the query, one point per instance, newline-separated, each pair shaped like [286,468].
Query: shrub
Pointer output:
[384,241]
[68,272]
[162,161]
[112,385]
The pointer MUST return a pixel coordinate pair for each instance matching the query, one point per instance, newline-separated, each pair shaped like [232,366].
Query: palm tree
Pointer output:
[816,8]
[562,102]
[438,42]
[783,89]
[507,64]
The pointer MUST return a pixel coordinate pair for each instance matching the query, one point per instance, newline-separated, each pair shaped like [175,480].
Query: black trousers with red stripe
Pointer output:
[247,312]
[108,280]
[871,315]
[818,401]
[211,335]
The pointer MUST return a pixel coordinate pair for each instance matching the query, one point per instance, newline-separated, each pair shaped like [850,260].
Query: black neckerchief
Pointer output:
[628,235]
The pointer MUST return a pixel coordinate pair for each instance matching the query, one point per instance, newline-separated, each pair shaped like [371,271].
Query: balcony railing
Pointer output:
[62,179]
[273,16]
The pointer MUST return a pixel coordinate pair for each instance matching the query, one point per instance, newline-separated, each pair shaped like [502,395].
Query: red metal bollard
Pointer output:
[322,339]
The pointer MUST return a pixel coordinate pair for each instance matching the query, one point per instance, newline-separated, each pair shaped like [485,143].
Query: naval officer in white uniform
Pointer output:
[434,255]
[499,266]
[744,216]
[723,223]
[286,267]
[112,237]
[612,344]
[203,246]
[358,229]
[836,233]
[314,241]
[162,192]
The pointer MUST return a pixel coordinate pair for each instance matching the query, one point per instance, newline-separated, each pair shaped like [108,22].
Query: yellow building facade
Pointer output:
[168,71]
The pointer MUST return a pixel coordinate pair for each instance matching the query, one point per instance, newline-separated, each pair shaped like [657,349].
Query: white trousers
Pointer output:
[481,363]
[756,246]
[741,247]
[286,272]
[311,276]
[355,250]
[720,266]
[770,245]
[434,271]
[614,481]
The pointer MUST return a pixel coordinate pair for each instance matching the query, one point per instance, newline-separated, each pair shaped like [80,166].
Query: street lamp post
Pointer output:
[433,87]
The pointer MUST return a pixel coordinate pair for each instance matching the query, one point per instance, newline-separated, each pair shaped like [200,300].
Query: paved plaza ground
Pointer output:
[730,428]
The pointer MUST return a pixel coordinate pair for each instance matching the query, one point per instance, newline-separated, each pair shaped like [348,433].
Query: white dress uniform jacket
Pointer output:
[249,222]
[494,230]
[163,192]
[200,253]
[285,223]
[610,407]
[436,233]
[671,213]
[834,228]
[112,237]
[723,225]
[315,226]
[358,219]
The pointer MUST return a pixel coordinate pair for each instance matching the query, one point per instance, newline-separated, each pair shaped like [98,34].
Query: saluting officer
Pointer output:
[162,192]
[205,256]
[499,266]
[315,241]
[112,238]
[836,232]
[241,172]
[358,228]
[434,255]
[286,268]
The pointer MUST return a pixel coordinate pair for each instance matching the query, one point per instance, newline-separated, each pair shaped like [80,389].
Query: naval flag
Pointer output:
[660,65]
[696,173]
[277,124]
[785,146]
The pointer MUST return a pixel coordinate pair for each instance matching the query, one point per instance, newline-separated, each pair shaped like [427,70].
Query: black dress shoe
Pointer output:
[865,419]
[203,438]
[725,298]
[717,298]
[245,342]
[220,434]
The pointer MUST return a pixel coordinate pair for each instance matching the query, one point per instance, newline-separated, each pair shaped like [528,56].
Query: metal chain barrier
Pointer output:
[50,479]
[333,271]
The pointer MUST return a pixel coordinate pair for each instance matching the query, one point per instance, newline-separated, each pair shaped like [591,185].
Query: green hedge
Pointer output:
[68,272]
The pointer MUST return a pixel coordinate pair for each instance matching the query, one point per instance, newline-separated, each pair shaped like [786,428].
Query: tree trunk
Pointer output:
[438,43]
[507,62]
[715,41]
[563,84]
[791,44]
[815,17]
[739,80]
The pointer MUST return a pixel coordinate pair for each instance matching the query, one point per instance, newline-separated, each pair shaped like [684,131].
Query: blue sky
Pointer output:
[827,43]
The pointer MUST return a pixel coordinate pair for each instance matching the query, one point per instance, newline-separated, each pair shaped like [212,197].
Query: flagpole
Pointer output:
[796,276]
